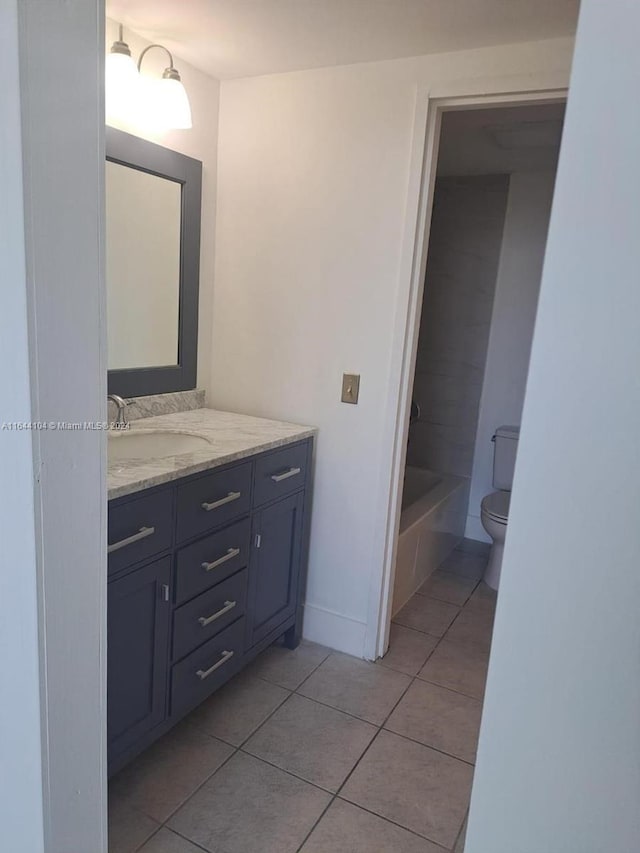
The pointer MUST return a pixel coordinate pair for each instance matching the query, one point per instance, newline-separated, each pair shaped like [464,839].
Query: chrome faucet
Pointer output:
[121,418]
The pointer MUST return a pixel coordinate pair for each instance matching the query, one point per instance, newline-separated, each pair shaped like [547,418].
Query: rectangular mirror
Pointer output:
[152,265]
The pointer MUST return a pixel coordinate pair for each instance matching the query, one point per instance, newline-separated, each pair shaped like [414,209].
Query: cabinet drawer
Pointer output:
[208,614]
[280,473]
[209,561]
[204,670]
[213,500]
[139,529]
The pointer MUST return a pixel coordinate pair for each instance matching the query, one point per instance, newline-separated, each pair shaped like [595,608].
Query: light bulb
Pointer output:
[174,103]
[121,85]
[163,103]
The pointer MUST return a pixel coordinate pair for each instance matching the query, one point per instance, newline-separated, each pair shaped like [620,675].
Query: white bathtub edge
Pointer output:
[430,529]
[432,500]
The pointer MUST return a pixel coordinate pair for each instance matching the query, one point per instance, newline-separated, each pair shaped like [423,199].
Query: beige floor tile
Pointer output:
[356,686]
[128,827]
[472,628]
[459,667]
[439,718]
[162,778]
[251,807]
[289,667]
[426,614]
[483,599]
[446,586]
[239,708]
[312,741]
[166,841]
[466,564]
[412,785]
[408,649]
[345,828]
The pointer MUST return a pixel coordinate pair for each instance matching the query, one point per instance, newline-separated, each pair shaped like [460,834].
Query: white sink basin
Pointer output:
[145,444]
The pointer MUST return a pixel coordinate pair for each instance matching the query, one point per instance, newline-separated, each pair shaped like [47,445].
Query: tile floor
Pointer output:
[318,752]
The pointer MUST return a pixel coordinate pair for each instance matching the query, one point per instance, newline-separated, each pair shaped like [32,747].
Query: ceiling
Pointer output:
[500,140]
[239,38]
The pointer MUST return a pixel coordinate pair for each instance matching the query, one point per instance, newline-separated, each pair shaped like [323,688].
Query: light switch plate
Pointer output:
[350,387]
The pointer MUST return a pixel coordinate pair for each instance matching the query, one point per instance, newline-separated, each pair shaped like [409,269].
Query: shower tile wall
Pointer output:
[462,266]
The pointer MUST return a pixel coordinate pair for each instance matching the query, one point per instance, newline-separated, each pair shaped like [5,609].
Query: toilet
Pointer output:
[494,508]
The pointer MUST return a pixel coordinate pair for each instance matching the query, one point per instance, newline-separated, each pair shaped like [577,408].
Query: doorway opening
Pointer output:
[487,188]
[486,216]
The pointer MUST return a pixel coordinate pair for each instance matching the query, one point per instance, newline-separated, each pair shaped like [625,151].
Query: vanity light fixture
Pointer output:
[130,95]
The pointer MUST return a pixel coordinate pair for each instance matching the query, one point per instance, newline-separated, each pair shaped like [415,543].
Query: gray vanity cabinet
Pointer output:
[274,575]
[139,611]
[219,579]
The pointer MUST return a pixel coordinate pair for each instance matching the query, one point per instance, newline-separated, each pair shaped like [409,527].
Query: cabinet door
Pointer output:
[275,566]
[137,654]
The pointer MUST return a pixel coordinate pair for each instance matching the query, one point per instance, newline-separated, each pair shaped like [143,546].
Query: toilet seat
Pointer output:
[496,506]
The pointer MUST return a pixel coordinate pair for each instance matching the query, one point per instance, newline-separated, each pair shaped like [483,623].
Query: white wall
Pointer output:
[313,182]
[512,322]
[61,65]
[21,812]
[559,756]
[201,142]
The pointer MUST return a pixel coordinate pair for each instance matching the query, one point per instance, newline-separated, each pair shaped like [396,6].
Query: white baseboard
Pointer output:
[334,630]
[475,530]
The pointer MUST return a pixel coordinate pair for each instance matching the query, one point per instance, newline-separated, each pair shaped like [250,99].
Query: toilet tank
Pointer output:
[505,448]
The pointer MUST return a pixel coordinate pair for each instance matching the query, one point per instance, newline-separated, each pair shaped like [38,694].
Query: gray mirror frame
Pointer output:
[128,150]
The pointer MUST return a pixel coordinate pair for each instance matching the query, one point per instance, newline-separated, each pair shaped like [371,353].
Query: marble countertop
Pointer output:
[231,437]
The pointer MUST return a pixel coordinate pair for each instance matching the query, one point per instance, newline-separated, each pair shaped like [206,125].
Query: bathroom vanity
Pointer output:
[207,554]
[208,510]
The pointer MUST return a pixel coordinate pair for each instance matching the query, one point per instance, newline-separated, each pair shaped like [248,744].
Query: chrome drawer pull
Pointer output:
[207,620]
[292,472]
[231,553]
[205,673]
[232,496]
[141,534]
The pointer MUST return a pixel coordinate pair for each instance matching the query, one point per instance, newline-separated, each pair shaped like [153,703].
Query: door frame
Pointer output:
[429,107]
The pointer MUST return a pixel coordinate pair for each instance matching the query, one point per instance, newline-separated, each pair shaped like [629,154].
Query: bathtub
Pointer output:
[432,519]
